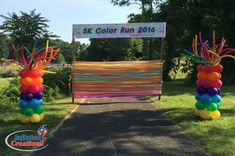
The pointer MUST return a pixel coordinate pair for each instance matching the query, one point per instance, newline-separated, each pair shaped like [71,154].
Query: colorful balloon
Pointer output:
[211,107]
[27,81]
[199,67]
[201,90]
[215,114]
[38,95]
[38,110]
[38,80]
[35,118]
[212,91]
[23,103]
[27,111]
[200,105]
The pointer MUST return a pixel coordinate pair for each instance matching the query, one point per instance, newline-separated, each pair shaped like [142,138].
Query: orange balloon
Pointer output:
[21,80]
[27,81]
[201,75]
[213,76]
[38,80]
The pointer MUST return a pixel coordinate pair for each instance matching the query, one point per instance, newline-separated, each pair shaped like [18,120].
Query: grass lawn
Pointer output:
[217,136]
[9,121]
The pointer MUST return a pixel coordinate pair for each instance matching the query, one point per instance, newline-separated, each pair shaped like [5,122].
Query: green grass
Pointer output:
[9,121]
[217,136]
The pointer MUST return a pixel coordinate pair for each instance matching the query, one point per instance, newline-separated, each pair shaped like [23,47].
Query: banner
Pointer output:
[126,30]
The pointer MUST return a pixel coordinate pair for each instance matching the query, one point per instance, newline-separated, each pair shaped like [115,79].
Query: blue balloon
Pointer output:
[216,99]
[197,97]
[206,98]
[23,103]
[40,102]
[34,103]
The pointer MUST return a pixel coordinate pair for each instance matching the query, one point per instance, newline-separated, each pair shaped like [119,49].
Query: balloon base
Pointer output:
[35,118]
[208,115]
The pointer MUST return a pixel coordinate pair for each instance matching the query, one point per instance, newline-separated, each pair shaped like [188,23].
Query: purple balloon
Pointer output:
[38,95]
[212,91]
[200,90]
[28,96]
[22,95]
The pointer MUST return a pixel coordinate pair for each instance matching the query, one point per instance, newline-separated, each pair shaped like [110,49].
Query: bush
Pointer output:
[58,80]
[9,96]
[8,72]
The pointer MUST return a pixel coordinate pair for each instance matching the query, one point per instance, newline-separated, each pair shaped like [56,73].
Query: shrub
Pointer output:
[60,80]
[8,71]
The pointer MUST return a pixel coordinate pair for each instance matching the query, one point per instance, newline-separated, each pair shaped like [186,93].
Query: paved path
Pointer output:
[119,127]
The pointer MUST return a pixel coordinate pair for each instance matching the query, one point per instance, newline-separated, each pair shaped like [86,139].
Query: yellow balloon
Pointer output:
[205,115]
[35,118]
[215,114]
[25,120]
[41,116]
[197,112]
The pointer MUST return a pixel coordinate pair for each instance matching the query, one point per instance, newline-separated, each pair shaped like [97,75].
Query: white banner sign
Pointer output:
[127,30]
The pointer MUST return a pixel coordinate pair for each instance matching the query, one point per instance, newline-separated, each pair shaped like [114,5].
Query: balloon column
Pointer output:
[31,88]
[209,75]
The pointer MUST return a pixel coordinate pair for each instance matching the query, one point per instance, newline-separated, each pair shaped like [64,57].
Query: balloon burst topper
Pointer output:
[209,74]
[32,64]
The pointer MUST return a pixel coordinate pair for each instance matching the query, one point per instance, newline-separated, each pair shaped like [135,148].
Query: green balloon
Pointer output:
[26,111]
[218,105]
[200,105]
[211,107]
[38,110]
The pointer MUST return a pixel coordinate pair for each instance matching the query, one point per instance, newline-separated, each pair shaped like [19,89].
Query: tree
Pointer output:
[4,47]
[25,28]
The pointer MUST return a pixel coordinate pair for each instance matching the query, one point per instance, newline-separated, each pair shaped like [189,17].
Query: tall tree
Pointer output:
[25,27]
[4,47]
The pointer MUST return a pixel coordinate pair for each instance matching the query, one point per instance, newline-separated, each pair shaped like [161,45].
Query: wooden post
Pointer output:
[162,49]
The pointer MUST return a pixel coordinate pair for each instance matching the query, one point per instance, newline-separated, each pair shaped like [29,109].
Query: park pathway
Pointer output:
[119,127]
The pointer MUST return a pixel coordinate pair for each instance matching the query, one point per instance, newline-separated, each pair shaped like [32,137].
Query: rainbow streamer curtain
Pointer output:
[209,74]
[32,64]
[116,79]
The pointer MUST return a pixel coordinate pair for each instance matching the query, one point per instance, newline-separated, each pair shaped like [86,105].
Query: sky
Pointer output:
[63,13]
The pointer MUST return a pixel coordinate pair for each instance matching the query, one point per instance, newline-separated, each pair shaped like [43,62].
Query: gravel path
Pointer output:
[119,127]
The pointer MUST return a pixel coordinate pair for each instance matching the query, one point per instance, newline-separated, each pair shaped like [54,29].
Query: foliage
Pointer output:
[59,82]
[25,27]
[8,72]
[114,49]
[4,47]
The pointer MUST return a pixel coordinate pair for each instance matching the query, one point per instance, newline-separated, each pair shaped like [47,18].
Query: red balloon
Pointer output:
[23,73]
[23,89]
[35,73]
[207,68]
[218,68]
[216,84]
[199,67]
